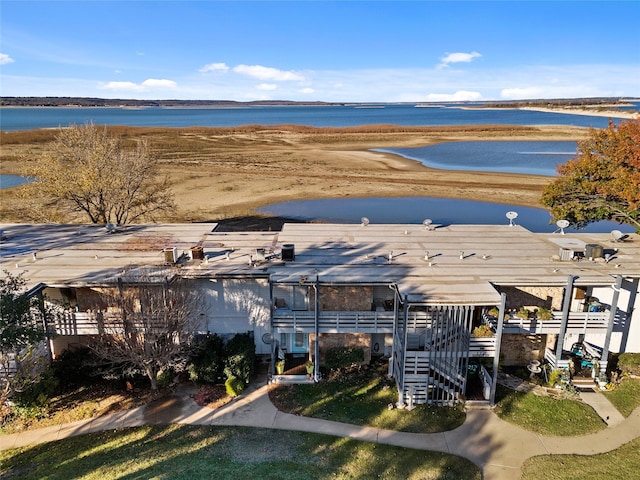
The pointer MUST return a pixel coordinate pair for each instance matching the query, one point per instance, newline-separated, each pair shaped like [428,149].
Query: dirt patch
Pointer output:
[212,396]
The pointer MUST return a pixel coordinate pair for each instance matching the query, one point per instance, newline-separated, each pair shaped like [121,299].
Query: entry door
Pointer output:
[295,342]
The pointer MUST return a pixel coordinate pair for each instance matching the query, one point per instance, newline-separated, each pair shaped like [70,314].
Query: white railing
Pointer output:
[289,321]
[580,321]
[487,382]
[482,347]
[550,357]
[82,323]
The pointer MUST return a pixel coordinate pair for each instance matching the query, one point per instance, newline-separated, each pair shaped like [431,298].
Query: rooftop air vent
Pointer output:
[288,252]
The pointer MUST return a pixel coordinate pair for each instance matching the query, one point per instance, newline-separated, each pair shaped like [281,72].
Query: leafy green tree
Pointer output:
[603,181]
[91,171]
[21,327]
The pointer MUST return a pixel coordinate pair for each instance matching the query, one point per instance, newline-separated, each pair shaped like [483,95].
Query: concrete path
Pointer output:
[497,447]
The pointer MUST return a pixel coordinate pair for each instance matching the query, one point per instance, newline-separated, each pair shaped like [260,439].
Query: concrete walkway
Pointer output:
[497,447]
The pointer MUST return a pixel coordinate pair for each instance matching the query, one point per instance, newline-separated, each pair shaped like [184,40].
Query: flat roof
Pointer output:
[446,264]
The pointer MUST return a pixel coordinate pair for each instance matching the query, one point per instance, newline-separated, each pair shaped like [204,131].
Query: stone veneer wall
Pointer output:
[331,340]
[345,298]
[547,297]
[519,350]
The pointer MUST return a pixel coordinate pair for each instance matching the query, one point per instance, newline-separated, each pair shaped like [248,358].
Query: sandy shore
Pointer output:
[228,173]
[593,112]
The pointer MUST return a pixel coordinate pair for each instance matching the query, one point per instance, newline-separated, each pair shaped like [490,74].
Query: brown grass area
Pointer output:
[221,173]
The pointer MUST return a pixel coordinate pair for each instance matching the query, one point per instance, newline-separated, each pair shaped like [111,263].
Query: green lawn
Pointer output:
[626,396]
[622,463]
[547,415]
[362,398]
[190,452]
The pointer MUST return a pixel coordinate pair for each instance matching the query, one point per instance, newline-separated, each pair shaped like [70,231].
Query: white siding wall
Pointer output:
[629,340]
[237,306]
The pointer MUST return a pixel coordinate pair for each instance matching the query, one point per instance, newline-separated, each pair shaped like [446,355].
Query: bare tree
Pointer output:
[149,325]
[88,170]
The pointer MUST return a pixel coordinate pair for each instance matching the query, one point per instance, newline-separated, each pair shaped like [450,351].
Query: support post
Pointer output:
[316,349]
[612,316]
[566,305]
[496,355]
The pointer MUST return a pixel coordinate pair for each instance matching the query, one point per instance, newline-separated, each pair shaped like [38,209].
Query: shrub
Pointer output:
[523,313]
[165,377]
[341,357]
[234,386]
[208,362]
[36,394]
[493,311]
[629,362]
[241,357]
[76,366]
[482,331]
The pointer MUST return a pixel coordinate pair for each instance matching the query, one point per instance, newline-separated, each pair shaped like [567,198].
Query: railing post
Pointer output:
[496,355]
[568,292]
[612,316]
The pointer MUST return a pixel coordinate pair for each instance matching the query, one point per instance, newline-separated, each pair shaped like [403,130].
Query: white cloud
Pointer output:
[150,83]
[459,96]
[5,59]
[122,86]
[215,67]
[267,73]
[267,86]
[458,57]
[159,83]
[307,90]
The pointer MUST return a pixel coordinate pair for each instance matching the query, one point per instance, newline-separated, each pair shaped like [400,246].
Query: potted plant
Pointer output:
[310,367]
[493,311]
[523,313]
[280,367]
[482,331]
[544,314]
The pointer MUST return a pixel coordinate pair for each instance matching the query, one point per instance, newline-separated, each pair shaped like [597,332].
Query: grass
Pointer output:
[547,415]
[362,398]
[187,452]
[626,396]
[79,403]
[621,463]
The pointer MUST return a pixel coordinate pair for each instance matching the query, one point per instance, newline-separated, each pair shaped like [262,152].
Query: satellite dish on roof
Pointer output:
[562,224]
[267,338]
[511,216]
[111,227]
[364,221]
[427,222]
[618,236]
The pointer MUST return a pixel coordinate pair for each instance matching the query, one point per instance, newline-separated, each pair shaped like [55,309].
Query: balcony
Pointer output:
[291,321]
[578,322]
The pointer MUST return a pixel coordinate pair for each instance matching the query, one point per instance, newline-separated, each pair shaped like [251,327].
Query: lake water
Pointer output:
[14,118]
[414,210]
[7,181]
[536,158]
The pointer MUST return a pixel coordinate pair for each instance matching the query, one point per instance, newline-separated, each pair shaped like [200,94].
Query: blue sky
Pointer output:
[366,51]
